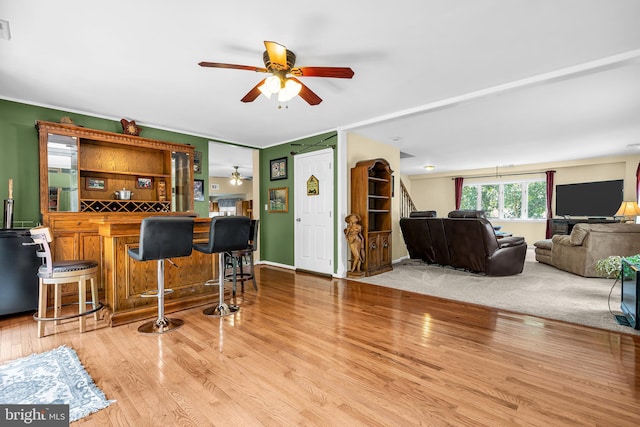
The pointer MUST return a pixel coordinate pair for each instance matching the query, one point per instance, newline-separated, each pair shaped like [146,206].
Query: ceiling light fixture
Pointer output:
[235,177]
[429,167]
[286,89]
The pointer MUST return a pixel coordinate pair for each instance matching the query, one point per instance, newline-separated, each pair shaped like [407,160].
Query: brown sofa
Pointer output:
[463,240]
[578,252]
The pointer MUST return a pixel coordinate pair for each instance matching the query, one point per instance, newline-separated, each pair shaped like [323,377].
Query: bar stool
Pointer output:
[226,234]
[238,258]
[57,273]
[163,237]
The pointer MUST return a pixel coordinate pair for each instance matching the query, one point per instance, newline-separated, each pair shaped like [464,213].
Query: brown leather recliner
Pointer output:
[465,240]
[417,235]
[473,245]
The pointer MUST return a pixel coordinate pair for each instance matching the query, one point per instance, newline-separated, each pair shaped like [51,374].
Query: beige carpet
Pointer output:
[540,290]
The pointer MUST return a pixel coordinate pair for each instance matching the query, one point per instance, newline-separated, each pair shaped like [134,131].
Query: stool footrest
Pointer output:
[154,293]
[69,316]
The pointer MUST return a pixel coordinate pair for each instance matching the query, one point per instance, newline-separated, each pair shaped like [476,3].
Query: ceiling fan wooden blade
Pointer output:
[253,93]
[334,72]
[277,54]
[233,66]
[307,94]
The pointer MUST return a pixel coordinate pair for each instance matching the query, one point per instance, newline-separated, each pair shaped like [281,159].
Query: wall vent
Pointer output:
[4,30]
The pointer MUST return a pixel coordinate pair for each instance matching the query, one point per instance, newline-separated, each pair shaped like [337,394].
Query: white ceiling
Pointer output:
[458,84]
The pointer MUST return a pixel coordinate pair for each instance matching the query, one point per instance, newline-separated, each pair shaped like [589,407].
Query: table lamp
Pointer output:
[628,211]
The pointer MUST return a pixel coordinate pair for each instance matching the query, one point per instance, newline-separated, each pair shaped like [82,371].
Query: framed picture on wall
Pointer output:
[144,182]
[279,199]
[197,162]
[98,184]
[198,190]
[278,168]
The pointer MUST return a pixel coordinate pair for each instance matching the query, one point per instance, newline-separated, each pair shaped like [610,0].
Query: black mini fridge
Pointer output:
[18,272]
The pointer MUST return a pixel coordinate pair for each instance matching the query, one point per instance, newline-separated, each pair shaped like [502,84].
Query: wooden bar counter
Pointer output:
[125,279]
[83,176]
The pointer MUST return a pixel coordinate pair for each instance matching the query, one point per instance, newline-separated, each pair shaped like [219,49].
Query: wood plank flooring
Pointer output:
[308,350]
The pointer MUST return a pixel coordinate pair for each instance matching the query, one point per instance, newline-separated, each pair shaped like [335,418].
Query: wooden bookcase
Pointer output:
[371,190]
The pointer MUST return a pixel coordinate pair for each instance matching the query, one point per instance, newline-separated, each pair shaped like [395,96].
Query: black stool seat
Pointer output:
[226,234]
[163,237]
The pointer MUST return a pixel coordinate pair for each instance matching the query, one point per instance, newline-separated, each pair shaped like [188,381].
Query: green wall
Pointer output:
[277,229]
[19,154]
[19,160]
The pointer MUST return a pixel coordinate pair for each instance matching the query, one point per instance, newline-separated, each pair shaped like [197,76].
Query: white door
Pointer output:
[314,211]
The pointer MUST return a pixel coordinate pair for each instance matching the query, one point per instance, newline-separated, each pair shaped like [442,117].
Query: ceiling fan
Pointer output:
[280,61]
[236,178]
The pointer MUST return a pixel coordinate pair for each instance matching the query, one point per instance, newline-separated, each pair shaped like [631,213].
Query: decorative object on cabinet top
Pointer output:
[66,120]
[130,127]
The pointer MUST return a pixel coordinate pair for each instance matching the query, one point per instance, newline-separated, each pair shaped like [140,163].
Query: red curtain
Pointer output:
[458,183]
[638,183]
[550,175]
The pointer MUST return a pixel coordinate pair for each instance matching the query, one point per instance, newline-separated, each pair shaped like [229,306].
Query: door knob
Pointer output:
[298,219]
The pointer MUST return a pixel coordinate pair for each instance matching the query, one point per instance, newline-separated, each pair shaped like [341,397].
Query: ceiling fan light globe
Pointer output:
[262,88]
[272,84]
[291,89]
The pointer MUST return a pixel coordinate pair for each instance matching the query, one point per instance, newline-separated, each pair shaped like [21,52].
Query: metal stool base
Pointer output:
[160,326]
[221,310]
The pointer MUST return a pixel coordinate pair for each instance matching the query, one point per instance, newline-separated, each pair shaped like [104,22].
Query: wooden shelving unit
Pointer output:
[115,162]
[371,190]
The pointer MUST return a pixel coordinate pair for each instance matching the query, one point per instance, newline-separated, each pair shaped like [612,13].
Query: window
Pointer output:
[507,200]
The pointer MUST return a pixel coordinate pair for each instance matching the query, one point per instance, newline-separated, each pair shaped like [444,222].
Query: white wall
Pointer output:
[436,191]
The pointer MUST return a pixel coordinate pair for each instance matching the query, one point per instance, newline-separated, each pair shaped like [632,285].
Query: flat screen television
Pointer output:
[629,302]
[590,199]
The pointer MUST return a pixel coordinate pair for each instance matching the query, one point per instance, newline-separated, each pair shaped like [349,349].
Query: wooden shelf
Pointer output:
[128,173]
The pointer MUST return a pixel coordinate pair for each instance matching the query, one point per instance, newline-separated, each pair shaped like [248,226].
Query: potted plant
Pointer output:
[610,266]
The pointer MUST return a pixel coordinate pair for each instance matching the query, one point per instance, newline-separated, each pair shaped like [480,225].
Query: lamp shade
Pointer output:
[628,209]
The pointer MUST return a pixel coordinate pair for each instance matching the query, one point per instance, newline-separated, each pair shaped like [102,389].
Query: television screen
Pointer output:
[592,199]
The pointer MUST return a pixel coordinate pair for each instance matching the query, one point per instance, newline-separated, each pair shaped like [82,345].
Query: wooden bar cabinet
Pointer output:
[85,175]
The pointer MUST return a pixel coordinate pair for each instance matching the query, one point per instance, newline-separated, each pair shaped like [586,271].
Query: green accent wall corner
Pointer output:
[19,160]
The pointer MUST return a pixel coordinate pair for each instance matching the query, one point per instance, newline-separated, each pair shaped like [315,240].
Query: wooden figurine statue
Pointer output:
[353,234]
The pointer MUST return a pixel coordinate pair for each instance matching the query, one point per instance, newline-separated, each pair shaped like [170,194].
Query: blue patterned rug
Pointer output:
[52,377]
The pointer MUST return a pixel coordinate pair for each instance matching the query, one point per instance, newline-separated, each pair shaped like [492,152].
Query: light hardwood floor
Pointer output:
[307,350]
